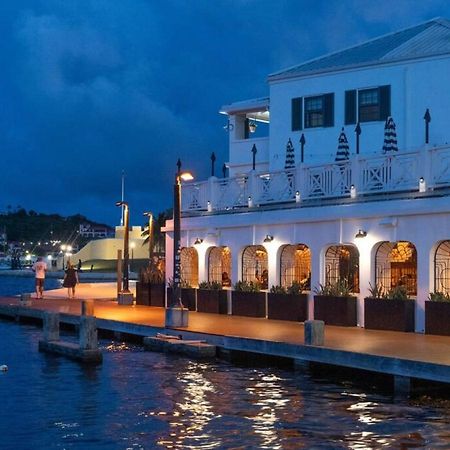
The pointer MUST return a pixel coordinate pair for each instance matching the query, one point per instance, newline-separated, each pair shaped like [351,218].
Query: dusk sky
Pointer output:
[91,87]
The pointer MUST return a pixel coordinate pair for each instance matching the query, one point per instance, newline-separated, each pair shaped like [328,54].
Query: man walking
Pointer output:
[39,268]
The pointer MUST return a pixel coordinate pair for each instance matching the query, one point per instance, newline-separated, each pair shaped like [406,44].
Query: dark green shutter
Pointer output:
[297,113]
[350,107]
[385,102]
[328,110]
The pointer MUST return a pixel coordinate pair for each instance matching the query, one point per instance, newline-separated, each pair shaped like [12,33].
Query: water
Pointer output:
[13,285]
[145,400]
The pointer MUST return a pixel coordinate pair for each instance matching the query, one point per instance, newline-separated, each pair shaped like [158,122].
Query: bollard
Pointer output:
[51,326]
[87,307]
[314,332]
[88,333]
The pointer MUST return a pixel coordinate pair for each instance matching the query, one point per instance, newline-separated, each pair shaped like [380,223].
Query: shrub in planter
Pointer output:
[247,300]
[437,314]
[142,293]
[150,287]
[211,298]
[334,305]
[389,311]
[287,304]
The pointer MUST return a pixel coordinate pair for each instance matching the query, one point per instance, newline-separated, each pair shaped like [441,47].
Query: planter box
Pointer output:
[156,294]
[187,297]
[386,314]
[142,293]
[339,311]
[212,301]
[250,304]
[437,318]
[287,307]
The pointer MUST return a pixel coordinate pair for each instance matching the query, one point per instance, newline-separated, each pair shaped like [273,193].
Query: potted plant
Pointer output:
[437,314]
[142,289]
[248,300]
[188,294]
[334,305]
[287,304]
[211,298]
[393,310]
[150,287]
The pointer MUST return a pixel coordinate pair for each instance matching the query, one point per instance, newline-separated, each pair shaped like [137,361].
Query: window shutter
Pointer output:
[385,102]
[246,131]
[328,103]
[297,113]
[350,107]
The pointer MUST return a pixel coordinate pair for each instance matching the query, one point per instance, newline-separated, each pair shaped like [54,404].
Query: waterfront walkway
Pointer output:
[406,354]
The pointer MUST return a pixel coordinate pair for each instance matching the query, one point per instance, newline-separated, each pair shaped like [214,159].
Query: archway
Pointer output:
[219,265]
[442,268]
[342,265]
[255,265]
[189,266]
[295,265]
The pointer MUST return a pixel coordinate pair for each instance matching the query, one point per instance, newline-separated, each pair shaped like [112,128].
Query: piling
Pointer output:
[51,326]
[314,332]
[88,333]
[87,307]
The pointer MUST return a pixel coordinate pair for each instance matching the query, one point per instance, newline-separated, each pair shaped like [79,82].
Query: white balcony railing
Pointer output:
[368,174]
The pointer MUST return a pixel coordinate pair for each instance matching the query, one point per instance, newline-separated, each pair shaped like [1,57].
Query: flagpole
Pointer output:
[123,198]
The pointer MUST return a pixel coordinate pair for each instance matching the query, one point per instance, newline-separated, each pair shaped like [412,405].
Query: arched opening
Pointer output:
[255,265]
[189,266]
[295,265]
[396,265]
[342,265]
[219,265]
[442,268]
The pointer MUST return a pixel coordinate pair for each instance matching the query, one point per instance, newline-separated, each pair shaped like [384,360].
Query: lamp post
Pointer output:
[66,249]
[150,234]
[125,296]
[176,314]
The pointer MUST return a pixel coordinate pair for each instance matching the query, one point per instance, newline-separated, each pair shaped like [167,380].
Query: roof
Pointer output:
[253,105]
[431,38]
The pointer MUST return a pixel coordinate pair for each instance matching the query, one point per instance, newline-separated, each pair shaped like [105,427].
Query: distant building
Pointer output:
[350,183]
[92,231]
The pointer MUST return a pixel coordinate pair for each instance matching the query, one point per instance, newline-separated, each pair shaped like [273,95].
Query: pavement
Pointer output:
[409,346]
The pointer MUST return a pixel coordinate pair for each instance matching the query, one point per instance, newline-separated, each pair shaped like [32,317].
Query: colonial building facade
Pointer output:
[346,178]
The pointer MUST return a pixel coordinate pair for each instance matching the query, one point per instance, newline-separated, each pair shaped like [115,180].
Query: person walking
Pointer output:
[70,280]
[39,268]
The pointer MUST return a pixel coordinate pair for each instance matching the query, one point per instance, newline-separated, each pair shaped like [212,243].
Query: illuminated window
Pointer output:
[189,266]
[219,265]
[342,265]
[255,265]
[295,265]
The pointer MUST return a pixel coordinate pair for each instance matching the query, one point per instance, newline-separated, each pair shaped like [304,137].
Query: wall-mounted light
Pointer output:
[252,126]
[229,126]
[198,241]
[361,234]
[352,191]
[297,197]
[250,201]
[422,185]
[209,206]
[268,238]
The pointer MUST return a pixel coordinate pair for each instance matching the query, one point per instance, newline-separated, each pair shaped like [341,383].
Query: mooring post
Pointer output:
[87,307]
[51,326]
[314,332]
[88,333]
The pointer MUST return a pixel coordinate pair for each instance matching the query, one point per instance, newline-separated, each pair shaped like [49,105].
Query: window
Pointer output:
[369,105]
[314,112]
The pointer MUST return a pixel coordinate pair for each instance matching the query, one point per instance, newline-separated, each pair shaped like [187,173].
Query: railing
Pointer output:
[367,174]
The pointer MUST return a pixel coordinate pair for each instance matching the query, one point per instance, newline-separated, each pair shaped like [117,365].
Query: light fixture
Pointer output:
[252,126]
[422,185]
[268,238]
[352,191]
[186,176]
[209,206]
[361,234]
[229,126]
[198,241]
[297,197]
[250,201]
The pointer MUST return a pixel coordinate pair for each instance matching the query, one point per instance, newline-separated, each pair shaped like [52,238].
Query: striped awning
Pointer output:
[290,156]
[390,136]
[343,152]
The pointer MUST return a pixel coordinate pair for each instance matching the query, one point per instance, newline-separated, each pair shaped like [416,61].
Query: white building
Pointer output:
[315,209]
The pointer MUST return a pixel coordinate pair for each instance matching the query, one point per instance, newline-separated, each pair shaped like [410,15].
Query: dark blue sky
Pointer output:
[91,87]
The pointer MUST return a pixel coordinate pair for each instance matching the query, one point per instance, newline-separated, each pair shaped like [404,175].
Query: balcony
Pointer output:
[360,176]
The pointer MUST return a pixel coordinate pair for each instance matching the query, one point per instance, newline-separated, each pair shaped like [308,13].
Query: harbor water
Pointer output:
[145,400]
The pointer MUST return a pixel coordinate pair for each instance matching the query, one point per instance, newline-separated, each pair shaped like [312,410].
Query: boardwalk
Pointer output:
[408,354]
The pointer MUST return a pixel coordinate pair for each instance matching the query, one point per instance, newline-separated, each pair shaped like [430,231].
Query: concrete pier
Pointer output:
[197,349]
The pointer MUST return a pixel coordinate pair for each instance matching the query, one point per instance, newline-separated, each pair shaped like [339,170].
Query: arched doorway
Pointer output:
[396,265]
[295,265]
[219,265]
[255,265]
[442,268]
[189,266]
[342,265]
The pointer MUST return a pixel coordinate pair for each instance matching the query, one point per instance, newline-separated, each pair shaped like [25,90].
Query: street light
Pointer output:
[150,234]
[66,249]
[125,296]
[176,314]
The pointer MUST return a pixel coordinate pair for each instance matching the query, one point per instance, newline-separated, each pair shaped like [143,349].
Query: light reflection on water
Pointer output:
[144,400]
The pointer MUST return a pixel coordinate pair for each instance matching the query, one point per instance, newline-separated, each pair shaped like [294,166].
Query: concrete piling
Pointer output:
[87,307]
[314,332]
[51,326]
[88,333]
